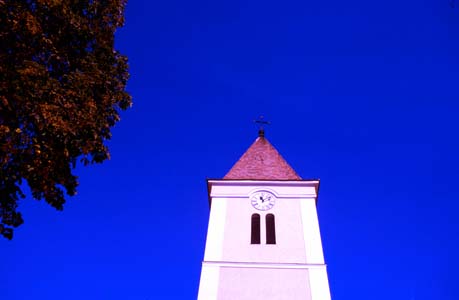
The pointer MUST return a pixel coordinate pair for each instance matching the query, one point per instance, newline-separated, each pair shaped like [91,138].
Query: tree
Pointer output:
[62,87]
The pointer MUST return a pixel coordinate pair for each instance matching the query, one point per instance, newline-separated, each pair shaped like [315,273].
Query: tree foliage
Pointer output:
[62,86]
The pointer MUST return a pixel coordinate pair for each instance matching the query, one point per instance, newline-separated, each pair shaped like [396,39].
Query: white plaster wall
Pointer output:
[289,247]
[209,283]
[216,230]
[298,255]
[289,211]
[311,232]
[255,284]
[318,279]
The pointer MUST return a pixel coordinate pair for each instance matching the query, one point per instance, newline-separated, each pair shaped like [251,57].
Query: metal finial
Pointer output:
[261,123]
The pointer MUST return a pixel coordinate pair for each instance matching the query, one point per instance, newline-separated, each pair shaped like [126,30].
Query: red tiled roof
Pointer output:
[262,162]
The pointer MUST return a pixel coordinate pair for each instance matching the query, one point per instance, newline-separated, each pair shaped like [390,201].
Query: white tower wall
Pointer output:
[235,269]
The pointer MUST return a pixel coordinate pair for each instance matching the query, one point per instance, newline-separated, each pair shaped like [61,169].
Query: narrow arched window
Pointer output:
[255,238]
[270,229]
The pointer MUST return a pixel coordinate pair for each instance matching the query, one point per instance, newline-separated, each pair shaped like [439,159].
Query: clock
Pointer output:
[262,200]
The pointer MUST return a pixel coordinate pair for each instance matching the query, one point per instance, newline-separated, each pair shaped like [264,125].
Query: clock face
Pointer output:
[263,200]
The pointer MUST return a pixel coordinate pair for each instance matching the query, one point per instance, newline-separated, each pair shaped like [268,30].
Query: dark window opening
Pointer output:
[255,239]
[270,229]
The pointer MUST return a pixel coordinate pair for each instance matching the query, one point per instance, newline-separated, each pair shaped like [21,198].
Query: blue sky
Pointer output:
[361,94]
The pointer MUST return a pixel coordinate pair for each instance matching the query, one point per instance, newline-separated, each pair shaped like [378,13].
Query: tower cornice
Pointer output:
[304,188]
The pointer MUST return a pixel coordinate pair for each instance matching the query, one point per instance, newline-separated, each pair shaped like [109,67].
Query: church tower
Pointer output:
[263,239]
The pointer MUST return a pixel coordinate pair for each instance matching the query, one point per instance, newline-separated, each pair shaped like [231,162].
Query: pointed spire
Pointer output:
[262,162]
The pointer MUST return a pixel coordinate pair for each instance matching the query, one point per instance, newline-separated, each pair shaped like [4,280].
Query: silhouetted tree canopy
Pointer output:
[62,86]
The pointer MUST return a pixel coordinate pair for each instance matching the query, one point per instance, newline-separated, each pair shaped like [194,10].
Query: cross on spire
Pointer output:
[261,123]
